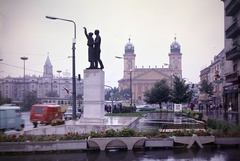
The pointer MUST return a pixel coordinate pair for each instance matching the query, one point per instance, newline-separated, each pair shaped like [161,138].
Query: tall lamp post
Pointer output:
[24,88]
[73,63]
[118,57]
[59,71]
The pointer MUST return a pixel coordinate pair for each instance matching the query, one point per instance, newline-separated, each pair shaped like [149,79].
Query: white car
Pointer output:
[145,108]
[68,115]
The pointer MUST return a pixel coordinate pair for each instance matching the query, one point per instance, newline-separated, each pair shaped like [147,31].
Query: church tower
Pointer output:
[48,69]
[175,59]
[129,59]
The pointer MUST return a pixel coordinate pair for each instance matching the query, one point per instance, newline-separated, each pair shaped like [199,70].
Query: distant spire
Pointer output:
[129,39]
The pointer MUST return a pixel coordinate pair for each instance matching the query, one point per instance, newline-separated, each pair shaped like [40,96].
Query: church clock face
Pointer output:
[175,46]
[129,47]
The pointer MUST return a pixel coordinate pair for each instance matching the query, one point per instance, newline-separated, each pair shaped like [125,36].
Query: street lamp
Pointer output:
[73,63]
[59,71]
[118,57]
[24,58]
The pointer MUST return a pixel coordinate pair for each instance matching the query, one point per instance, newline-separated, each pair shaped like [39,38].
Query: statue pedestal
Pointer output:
[94,80]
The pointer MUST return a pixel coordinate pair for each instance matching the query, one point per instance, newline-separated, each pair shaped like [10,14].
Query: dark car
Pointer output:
[68,115]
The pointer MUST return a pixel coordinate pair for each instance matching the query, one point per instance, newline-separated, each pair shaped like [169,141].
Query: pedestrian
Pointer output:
[230,107]
[191,106]
[199,107]
[220,106]
[109,108]
[225,107]
[120,108]
[134,108]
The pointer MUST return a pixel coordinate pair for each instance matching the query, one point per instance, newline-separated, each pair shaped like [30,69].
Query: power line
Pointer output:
[21,67]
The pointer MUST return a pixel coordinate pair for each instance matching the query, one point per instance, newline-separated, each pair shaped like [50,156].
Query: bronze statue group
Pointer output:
[94,49]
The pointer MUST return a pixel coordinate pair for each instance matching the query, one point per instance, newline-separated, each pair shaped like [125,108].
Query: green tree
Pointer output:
[206,87]
[51,94]
[115,93]
[1,98]
[30,98]
[4,100]
[180,92]
[125,94]
[159,93]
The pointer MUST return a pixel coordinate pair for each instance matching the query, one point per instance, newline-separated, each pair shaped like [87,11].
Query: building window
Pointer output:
[139,89]
[235,67]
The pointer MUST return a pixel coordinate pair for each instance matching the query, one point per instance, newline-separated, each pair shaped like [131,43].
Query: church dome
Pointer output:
[129,47]
[175,46]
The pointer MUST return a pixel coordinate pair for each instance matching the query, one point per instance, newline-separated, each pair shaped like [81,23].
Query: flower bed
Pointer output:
[125,138]
[42,138]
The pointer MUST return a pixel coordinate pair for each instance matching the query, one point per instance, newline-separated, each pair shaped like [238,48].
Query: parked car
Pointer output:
[68,115]
[10,118]
[44,113]
[145,108]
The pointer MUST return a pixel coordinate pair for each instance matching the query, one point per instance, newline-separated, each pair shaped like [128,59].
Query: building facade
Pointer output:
[231,90]
[13,87]
[216,76]
[139,80]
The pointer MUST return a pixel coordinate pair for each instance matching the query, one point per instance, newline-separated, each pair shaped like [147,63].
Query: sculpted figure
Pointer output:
[91,52]
[97,50]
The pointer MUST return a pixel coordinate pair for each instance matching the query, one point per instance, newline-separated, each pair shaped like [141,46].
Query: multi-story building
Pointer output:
[215,76]
[204,74]
[142,79]
[231,90]
[13,87]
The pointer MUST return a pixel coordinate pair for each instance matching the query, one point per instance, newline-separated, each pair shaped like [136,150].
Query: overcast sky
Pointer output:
[152,25]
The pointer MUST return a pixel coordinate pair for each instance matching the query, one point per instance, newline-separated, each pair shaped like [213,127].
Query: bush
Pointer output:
[155,134]
[124,109]
[223,127]
[127,132]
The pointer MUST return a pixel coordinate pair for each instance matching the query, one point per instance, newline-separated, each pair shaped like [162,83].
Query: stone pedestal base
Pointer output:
[94,95]
[92,121]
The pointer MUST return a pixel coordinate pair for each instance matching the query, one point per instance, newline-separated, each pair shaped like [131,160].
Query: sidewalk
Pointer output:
[231,117]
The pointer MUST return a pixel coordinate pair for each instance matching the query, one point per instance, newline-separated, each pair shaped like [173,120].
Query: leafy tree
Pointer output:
[125,94]
[116,94]
[4,100]
[30,98]
[1,98]
[159,93]
[180,91]
[51,94]
[206,87]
